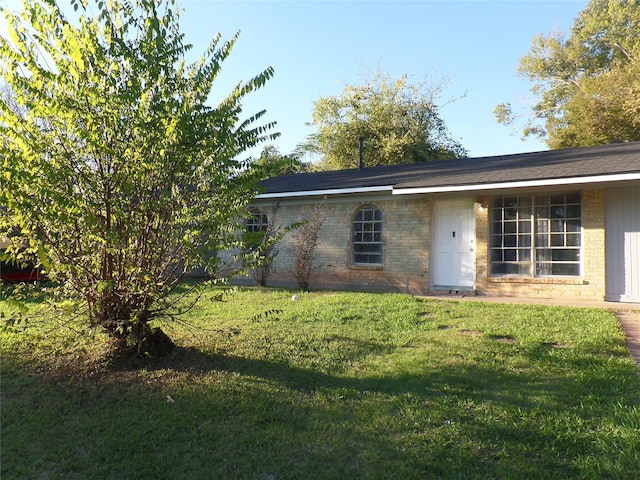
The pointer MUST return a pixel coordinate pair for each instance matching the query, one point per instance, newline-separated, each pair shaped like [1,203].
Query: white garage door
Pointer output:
[622,223]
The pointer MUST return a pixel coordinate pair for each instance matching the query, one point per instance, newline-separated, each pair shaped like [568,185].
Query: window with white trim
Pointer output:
[367,245]
[536,235]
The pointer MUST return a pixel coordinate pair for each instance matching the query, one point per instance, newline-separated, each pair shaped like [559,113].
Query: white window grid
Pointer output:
[367,242]
[536,235]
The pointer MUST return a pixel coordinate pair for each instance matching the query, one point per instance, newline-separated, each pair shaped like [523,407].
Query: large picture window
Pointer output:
[367,245]
[536,235]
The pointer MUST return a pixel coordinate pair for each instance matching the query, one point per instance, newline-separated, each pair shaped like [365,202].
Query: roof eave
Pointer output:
[400,190]
[518,184]
[331,191]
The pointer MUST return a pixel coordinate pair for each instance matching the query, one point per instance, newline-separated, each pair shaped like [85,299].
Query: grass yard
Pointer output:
[330,386]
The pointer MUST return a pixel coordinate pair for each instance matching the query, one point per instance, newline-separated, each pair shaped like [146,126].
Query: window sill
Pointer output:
[364,266]
[538,280]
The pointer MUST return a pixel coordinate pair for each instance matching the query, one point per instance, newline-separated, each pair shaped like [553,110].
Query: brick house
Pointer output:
[561,223]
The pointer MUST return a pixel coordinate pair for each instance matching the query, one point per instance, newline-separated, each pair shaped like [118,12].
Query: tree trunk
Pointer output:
[152,342]
[139,338]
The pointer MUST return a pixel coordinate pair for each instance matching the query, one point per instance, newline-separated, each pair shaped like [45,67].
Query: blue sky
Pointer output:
[318,47]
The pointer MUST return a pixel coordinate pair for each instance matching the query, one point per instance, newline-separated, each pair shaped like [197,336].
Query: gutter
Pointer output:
[330,191]
[519,184]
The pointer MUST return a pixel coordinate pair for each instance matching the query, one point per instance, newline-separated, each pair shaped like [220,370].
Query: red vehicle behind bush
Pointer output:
[13,274]
[10,272]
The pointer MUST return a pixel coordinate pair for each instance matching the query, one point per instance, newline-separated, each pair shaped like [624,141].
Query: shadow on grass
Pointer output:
[232,417]
[460,378]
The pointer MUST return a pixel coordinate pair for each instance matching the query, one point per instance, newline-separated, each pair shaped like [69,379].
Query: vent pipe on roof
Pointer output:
[360,149]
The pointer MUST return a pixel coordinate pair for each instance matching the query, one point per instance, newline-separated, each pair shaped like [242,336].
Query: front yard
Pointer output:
[329,386]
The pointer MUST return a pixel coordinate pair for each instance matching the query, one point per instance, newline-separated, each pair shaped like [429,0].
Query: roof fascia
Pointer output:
[519,184]
[331,191]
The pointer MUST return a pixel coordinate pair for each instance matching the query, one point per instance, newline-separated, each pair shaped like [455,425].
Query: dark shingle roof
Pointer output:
[604,160]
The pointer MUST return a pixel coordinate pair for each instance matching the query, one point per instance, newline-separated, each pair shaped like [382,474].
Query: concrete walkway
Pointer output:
[628,314]
[630,322]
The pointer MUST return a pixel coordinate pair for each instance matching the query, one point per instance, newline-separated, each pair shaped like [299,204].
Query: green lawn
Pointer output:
[330,386]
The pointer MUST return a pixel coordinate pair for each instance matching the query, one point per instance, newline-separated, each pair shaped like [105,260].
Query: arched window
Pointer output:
[366,238]
[257,221]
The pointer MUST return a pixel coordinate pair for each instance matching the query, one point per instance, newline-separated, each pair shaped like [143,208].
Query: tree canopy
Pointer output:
[399,122]
[273,163]
[587,85]
[116,174]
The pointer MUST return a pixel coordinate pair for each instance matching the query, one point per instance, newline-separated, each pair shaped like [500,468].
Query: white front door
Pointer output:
[453,248]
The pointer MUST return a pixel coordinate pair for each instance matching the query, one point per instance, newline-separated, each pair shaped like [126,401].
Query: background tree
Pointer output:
[589,84]
[399,121]
[115,172]
[273,163]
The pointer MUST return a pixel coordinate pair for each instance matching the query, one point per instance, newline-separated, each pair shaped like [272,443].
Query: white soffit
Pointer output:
[518,184]
[332,191]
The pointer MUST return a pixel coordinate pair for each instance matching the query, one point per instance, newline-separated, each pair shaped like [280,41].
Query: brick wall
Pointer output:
[406,231]
[407,239]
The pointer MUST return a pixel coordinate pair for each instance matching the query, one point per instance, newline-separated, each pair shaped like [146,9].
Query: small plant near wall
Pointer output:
[266,252]
[302,246]
[261,240]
